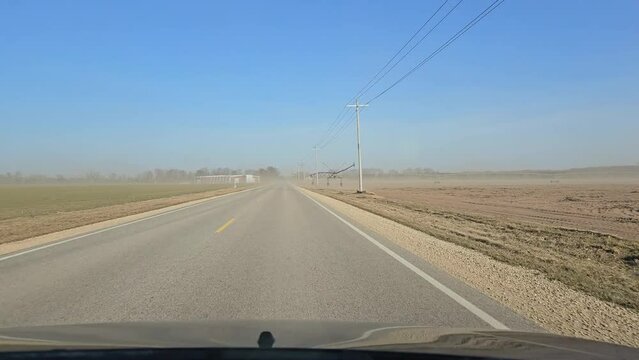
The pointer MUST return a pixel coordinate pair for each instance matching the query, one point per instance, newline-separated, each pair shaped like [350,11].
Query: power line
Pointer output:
[413,47]
[362,90]
[337,130]
[461,32]
[340,130]
[335,123]
[333,129]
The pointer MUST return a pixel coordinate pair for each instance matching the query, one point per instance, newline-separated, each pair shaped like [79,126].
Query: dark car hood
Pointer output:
[311,334]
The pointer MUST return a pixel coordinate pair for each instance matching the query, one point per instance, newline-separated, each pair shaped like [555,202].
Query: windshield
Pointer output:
[424,167]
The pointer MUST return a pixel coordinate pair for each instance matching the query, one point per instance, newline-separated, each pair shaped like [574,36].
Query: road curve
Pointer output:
[270,253]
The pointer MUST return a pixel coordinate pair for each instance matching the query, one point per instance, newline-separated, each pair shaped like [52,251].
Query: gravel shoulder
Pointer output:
[551,304]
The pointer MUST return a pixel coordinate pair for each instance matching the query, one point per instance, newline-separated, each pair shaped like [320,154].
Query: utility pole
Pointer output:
[300,171]
[316,169]
[357,105]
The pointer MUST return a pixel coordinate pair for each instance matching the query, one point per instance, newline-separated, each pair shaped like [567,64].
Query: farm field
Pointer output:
[34,200]
[584,234]
[31,210]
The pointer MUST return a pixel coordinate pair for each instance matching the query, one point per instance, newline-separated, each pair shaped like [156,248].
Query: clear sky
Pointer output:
[130,85]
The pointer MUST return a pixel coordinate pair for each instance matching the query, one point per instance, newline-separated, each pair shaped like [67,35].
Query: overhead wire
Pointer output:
[335,129]
[338,119]
[340,130]
[452,39]
[360,92]
[412,48]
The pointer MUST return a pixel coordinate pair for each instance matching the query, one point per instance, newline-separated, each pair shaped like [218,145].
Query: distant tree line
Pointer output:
[603,171]
[269,172]
[375,172]
[150,176]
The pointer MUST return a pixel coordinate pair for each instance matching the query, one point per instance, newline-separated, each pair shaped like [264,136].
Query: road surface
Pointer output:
[267,253]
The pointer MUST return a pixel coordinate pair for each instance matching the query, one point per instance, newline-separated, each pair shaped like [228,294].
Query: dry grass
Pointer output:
[584,235]
[33,210]
[35,200]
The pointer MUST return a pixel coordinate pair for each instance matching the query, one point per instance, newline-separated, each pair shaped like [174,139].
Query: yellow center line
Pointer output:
[221,228]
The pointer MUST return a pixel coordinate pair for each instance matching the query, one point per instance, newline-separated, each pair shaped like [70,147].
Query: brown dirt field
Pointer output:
[25,227]
[584,235]
[606,209]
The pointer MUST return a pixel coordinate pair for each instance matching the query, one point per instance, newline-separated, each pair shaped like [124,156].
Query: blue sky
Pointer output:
[130,85]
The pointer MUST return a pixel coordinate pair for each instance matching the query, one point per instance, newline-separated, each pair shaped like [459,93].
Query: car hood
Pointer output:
[310,334]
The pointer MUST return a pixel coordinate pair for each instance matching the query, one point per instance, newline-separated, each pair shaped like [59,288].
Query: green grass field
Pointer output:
[33,200]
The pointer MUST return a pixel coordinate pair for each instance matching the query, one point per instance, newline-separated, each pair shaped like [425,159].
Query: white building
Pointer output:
[227,179]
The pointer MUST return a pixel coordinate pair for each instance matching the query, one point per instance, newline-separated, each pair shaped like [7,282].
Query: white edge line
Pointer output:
[441,287]
[119,226]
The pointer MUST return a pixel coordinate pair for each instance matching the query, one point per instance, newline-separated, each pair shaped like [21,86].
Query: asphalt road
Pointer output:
[268,253]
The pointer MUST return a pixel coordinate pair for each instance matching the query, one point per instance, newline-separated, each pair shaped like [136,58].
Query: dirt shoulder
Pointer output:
[21,228]
[551,304]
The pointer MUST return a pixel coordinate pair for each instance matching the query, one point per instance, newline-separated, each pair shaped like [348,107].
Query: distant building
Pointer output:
[227,179]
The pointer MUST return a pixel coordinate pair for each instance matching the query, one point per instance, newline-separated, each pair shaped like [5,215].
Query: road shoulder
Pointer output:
[551,304]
